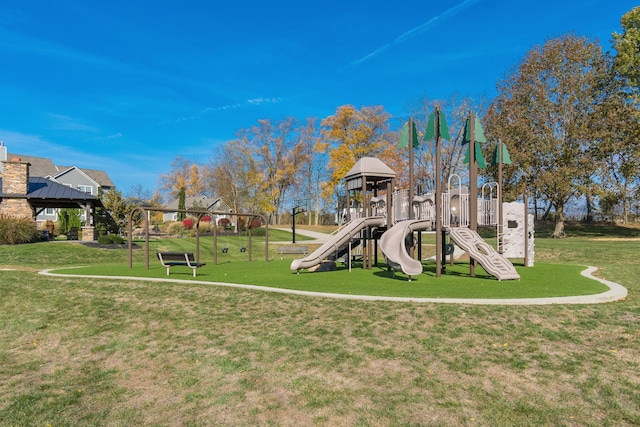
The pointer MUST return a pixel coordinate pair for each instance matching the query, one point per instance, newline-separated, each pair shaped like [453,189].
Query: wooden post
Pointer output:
[438,201]
[526,228]
[473,186]
[500,227]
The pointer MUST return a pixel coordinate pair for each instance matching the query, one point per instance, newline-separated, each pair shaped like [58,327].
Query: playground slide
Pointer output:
[493,262]
[342,238]
[394,249]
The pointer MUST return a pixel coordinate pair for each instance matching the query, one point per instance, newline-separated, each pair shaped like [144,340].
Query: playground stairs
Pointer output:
[493,262]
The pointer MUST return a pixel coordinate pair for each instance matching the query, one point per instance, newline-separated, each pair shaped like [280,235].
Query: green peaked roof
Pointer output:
[404,136]
[430,132]
[506,159]
[478,131]
[479,157]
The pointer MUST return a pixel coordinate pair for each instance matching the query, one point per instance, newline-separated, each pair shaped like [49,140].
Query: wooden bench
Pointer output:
[297,250]
[185,259]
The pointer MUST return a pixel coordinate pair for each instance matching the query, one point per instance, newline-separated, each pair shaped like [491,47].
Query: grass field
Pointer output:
[85,352]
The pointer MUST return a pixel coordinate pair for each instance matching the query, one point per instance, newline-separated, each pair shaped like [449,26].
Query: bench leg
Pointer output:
[194,272]
[168,270]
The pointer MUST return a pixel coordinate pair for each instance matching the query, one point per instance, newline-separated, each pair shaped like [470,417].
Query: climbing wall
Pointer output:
[513,240]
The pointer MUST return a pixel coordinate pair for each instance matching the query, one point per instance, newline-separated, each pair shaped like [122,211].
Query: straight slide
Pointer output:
[494,263]
[342,238]
[394,249]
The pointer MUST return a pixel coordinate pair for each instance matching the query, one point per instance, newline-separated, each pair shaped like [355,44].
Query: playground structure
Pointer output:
[145,211]
[379,216]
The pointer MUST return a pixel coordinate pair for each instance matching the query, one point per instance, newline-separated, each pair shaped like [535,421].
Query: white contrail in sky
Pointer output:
[418,30]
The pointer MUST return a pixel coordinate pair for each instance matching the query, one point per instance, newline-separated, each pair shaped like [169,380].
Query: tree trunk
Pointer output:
[545,216]
[625,210]
[559,233]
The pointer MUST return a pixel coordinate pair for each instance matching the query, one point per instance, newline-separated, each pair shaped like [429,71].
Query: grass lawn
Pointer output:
[86,352]
[545,280]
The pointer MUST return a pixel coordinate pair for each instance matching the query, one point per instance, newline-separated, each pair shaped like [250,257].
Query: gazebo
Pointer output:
[25,197]
[367,177]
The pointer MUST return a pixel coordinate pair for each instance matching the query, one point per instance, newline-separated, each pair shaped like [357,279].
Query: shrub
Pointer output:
[187,223]
[110,239]
[174,228]
[17,230]
[259,232]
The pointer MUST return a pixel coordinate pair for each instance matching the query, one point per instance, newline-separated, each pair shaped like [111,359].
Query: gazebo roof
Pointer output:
[46,193]
[370,167]
[368,170]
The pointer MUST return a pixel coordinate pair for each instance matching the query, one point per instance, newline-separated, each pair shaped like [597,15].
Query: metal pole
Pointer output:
[293,224]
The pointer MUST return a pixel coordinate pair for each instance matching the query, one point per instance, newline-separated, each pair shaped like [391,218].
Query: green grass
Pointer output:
[86,352]
[545,280]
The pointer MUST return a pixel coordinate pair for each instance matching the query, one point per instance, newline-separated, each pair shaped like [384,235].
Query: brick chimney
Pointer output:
[15,177]
[15,185]
[3,154]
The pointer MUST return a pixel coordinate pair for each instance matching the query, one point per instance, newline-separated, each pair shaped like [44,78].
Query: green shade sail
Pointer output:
[404,136]
[479,132]
[430,132]
[506,159]
[479,157]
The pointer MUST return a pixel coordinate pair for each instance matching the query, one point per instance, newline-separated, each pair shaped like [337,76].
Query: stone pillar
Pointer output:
[15,177]
[88,233]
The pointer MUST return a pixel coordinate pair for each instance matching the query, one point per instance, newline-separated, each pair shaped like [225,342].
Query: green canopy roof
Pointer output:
[404,136]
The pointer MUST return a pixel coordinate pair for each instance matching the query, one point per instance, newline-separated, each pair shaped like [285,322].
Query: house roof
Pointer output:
[39,166]
[202,201]
[46,193]
[98,176]
[44,167]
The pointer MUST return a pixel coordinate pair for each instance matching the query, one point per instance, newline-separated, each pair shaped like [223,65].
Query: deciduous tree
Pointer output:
[349,135]
[183,174]
[627,46]
[542,110]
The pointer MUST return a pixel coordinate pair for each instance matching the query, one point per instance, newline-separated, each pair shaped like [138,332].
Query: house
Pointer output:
[88,181]
[198,203]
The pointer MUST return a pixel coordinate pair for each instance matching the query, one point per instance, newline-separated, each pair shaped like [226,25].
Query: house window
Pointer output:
[85,189]
[49,211]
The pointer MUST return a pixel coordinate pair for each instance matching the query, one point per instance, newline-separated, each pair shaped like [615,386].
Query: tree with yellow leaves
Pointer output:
[349,135]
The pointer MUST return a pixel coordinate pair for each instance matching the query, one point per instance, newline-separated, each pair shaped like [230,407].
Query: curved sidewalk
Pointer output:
[316,235]
[616,292]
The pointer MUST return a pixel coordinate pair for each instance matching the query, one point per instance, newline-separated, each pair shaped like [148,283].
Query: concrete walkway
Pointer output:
[318,237]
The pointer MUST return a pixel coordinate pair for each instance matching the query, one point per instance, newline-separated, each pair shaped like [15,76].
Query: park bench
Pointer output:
[297,250]
[185,259]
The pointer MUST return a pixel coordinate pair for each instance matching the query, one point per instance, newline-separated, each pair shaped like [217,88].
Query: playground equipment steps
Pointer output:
[493,262]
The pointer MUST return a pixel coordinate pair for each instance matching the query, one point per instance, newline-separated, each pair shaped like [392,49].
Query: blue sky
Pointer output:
[126,86]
